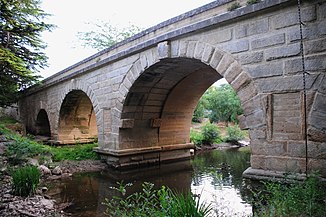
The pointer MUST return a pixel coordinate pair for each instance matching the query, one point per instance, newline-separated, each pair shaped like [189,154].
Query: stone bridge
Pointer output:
[137,97]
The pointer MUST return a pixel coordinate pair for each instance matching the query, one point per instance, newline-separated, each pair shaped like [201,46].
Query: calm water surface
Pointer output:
[215,175]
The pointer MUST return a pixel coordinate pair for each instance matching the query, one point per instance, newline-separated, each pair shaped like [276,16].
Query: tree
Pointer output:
[199,112]
[224,104]
[21,46]
[105,35]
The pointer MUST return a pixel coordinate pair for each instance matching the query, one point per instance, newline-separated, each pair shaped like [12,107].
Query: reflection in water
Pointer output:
[218,179]
[215,175]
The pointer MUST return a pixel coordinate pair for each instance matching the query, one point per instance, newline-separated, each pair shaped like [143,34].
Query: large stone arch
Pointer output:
[80,93]
[151,131]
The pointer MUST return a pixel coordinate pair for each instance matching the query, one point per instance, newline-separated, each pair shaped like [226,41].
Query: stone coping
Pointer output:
[136,151]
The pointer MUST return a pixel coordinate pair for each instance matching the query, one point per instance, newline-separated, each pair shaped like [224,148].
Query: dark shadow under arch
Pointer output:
[43,124]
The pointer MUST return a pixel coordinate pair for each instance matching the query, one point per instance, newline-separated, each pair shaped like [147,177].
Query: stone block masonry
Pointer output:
[138,96]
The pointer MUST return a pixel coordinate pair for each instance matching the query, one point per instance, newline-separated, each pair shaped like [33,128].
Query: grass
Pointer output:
[7,120]
[23,148]
[74,152]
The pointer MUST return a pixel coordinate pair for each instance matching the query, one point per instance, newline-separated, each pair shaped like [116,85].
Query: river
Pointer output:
[214,175]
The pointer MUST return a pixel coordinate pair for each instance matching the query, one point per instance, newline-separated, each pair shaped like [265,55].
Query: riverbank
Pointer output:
[52,162]
[39,204]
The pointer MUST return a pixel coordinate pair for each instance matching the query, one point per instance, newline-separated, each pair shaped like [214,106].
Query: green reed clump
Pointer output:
[306,198]
[150,202]
[25,180]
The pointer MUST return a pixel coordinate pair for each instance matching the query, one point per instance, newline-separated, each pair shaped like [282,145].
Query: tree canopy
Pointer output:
[104,35]
[222,103]
[21,56]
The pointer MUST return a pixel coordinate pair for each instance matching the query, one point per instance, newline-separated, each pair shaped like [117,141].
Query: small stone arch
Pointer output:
[77,120]
[221,62]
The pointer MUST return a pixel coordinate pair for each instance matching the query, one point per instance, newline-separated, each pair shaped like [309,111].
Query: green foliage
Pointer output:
[196,137]
[105,35]
[7,120]
[21,26]
[222,103]
[151,202]
[199,112]
[25,180]
[234,134]
[23,148]
[295,199]
[251,2]
[234,6]
[210,133]
[74,152]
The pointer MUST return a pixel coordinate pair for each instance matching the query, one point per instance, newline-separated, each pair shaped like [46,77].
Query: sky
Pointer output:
[72,16]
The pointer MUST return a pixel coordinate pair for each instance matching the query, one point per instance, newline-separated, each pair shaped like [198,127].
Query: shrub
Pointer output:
[251,2]
[210,133]
[25,180]
[151,202]
[234,134]
[196,137]
[234,6]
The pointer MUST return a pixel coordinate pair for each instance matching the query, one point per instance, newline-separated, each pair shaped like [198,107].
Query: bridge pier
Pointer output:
[137,157]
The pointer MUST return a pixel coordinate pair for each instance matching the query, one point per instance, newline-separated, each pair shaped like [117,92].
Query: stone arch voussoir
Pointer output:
[223,62]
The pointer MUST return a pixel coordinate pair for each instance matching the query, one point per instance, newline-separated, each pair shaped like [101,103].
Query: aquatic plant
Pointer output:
[306,198]
[150,202]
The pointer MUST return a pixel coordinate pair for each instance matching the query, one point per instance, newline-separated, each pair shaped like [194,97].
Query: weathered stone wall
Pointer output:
[144,91]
